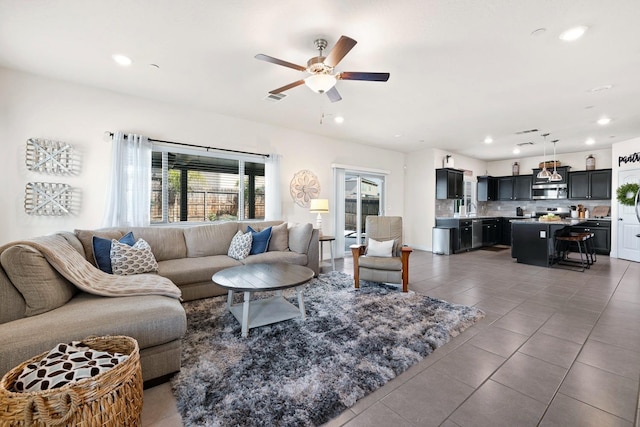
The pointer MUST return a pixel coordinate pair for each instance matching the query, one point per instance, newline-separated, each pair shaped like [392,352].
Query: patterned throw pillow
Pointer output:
[240,245]
[136,259]
[102,250]
[64,364]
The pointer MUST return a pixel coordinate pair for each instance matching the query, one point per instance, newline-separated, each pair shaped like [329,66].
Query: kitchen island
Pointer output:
[532,241]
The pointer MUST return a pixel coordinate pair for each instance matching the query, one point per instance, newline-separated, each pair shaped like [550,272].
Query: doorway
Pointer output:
[628,221]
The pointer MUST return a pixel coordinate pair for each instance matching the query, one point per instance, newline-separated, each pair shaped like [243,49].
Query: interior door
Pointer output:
[628,222]
[363,196]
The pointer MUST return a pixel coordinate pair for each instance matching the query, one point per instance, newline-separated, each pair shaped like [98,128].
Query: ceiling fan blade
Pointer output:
[277,61]
[371,77]
[342,47]
[333,94]
[287,87]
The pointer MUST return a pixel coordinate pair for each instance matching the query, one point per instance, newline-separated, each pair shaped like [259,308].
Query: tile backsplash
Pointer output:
[445,208]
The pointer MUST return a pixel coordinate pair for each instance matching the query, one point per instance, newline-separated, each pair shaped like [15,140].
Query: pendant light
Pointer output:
[544,173]
[555,176]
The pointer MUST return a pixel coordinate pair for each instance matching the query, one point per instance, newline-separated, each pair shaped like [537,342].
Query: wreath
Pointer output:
[626,193]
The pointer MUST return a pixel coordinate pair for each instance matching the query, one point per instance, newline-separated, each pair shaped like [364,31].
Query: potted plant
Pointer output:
[626,193]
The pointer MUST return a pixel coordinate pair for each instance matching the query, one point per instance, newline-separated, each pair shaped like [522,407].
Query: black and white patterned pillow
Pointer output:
[136,259]
[240,245]
[64,364]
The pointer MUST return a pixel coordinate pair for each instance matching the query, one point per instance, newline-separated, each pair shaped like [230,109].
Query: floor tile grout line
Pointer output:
[575,360]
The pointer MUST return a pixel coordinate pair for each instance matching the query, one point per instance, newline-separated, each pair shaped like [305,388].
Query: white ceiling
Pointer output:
[460,69]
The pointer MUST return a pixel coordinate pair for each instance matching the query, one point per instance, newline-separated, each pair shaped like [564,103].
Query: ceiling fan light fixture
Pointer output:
[320,83]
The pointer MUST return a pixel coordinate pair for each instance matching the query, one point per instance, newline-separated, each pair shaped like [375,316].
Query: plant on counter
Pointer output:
[626,193]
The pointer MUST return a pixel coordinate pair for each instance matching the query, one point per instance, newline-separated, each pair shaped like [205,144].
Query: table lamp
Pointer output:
[319,206]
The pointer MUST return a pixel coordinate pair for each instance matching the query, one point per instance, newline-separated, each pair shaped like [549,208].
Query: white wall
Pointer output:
[420,184]
[36,107]
[577,161]
[624,148]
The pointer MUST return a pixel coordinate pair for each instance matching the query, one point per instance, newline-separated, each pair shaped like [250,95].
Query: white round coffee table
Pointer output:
[251,278]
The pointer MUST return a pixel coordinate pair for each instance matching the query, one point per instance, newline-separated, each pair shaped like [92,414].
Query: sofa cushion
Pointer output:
[137,259]
[42,287]
[279,238]
[86,238]
[151,319]
[289,257]
[259,240]
[165,242]
[210,239]
[380,263]
[102,250]
[299,237]
[240,245]
[190,270]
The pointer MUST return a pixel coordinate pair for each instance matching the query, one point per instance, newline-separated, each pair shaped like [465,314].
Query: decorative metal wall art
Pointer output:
[53,157]
[303,187]
[50,198]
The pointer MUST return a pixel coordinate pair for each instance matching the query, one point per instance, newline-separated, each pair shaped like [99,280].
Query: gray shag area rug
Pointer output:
[305,372]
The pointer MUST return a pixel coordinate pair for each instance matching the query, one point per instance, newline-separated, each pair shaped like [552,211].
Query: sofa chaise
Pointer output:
[40,308]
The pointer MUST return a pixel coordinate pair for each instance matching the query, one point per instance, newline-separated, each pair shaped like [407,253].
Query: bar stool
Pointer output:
[562,246]
[589,245]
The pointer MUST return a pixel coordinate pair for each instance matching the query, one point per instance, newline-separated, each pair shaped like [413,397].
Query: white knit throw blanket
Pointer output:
[75,268]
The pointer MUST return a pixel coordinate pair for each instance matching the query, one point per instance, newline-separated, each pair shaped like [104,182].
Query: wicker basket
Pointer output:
[111,398]
[549,164]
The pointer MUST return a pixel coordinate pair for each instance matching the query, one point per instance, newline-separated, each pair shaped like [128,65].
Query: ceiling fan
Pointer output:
[321,69]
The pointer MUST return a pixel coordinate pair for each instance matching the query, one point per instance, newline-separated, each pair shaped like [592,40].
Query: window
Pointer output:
[196,187]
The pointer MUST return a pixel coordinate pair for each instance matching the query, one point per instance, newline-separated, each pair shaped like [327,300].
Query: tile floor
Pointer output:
[556,348]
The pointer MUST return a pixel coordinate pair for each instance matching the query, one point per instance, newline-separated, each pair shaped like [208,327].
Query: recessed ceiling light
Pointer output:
[516,151]
[397,135]
[338,119]
[604,121]
[573,34]
[122,60]
[488,140]
[590,141]
[538,32]
[156,66]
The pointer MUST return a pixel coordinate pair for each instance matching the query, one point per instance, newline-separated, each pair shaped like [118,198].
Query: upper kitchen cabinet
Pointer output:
[594,184]
[449,183]
[514,187]
[487,189]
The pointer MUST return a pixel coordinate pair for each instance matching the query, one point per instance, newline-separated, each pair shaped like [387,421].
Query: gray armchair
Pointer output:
[392,268]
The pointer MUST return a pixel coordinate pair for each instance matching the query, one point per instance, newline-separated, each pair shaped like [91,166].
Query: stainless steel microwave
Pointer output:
[549,191]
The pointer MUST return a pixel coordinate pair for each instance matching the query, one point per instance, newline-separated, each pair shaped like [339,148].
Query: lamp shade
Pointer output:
[319,206]
[320,83]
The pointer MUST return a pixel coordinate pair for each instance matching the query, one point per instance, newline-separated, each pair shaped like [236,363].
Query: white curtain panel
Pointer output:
[272,188]
[129,187]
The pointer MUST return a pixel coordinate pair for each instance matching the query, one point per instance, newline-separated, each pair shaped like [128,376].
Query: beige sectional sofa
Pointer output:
[40,308]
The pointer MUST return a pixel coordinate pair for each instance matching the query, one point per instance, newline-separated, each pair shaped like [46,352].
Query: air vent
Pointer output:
[525,143]
[522,132]
[275,97]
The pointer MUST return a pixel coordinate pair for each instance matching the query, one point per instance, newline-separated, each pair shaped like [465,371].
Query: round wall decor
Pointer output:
[304,187]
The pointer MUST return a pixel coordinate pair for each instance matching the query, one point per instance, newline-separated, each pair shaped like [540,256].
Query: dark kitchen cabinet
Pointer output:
[594,184]
[449,183]
[462,233]
[490,232]
[601,234]
[514,187]
[505,188]
[487,189]
[522,187]
[505,231]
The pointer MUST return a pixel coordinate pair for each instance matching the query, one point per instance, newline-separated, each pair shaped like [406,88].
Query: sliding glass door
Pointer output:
[363,196]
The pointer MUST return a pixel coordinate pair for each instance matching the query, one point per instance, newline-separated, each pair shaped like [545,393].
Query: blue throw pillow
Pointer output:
[260,241]
[102,250]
